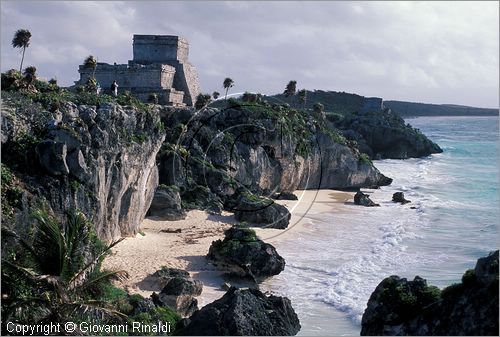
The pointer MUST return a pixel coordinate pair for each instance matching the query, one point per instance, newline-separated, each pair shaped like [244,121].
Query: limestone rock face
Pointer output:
[52,156]
[100,161]
[401,307]
[244,313]
[241,253]
[234,147]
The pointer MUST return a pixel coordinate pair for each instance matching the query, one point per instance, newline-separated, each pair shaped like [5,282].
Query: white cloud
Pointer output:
[421,51]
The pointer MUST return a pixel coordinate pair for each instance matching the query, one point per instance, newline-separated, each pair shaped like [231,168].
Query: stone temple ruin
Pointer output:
[160,66]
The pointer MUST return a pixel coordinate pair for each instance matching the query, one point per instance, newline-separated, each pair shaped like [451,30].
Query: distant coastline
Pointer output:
[344,102]
[411,109]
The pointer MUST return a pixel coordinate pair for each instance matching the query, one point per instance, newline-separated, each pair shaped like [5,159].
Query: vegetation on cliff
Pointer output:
[401,307]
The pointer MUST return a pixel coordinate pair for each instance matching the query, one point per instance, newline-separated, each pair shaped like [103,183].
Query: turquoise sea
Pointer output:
[334,265]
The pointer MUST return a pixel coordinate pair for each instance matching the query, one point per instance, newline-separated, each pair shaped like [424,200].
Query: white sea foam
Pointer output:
[340,260]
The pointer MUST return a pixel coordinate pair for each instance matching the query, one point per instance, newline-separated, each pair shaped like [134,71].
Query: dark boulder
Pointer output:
[261,211]
[244,313]
[201,197]
[166,204]
[184,305]
[178,291]
[168,273]
[363,200]
[141,304]
[245,255]
[286,196]
[181,286]
[400,197]
[401,307]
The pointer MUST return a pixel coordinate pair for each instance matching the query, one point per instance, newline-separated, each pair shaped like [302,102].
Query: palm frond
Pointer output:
[31,309]
[49,243]
[90,267]
[100,278]
[93,309]
[76,236]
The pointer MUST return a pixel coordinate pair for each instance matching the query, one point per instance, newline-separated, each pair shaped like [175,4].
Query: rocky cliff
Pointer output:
[384,134]
[100,160]
[267,149]
[400,307]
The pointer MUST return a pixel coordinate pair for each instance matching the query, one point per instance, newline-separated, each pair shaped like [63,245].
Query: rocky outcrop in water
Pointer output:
[97,160]
[400,197]
[242,253]
[401,307]
[363,199]
[244,313]
[383,134]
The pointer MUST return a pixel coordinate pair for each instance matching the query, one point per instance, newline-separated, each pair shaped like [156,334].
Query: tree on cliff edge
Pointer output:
[228,83]
[21,40]
[302,97]
[291,89]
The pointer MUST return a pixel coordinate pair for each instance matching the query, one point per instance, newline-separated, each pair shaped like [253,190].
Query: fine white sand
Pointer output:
[160,245]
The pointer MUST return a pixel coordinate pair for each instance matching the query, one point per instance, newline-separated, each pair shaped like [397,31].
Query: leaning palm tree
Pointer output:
[228,83]
[21,40]
[59,274]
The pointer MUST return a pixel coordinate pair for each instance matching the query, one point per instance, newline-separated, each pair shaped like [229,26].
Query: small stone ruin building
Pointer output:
[372,104]
[160,66]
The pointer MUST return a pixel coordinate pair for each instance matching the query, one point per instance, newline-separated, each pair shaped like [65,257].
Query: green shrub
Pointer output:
[452,291]
[75,185]
[430,294]
[469,277]
[159,314]
[364,158]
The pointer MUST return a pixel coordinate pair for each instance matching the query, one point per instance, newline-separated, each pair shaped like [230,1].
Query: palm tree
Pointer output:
[59,274]
[91,62]
[228,83]
[215,94]
[291,89]
[302,94]
[21,40]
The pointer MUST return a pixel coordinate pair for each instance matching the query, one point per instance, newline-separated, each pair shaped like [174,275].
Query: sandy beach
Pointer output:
[184,243]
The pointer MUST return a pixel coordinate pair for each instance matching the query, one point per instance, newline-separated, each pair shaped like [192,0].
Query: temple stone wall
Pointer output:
[160,66]
[135,75]
[160,48]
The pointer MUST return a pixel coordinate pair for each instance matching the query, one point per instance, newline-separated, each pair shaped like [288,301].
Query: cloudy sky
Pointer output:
[416,51]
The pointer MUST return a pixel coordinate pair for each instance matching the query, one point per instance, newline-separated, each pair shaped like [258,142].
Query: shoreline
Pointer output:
[184,243]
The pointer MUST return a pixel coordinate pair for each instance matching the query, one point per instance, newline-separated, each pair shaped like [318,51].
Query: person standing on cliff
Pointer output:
[114,88]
